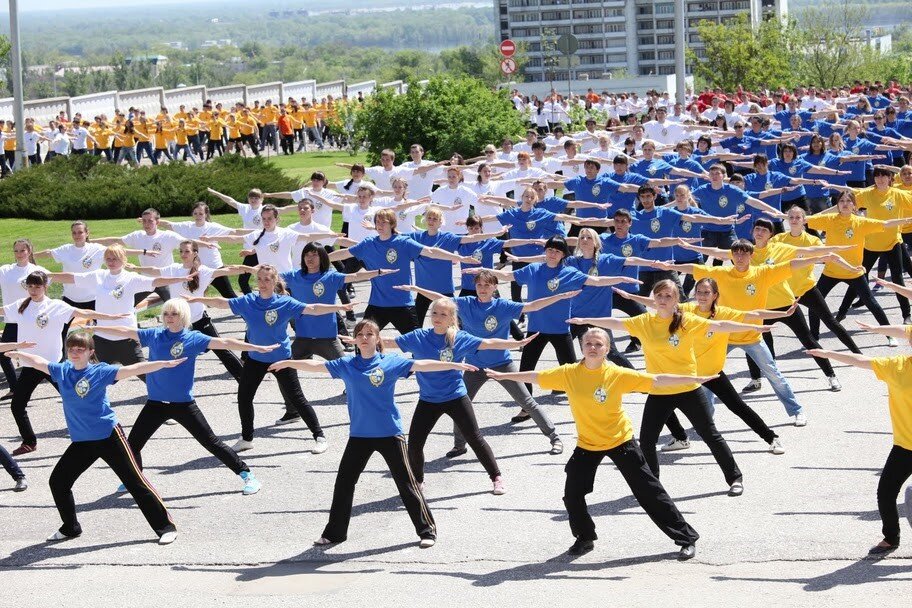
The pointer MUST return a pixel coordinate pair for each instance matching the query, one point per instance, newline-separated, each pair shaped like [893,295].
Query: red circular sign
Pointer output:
[507,48]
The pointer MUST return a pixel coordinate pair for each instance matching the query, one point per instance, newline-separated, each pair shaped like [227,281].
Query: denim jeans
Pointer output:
[762,356]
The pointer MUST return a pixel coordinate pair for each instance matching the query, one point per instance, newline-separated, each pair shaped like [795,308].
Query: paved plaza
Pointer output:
[798,536]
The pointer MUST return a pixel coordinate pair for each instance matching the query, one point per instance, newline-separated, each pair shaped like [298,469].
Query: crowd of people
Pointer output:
[194,134]
[611,218]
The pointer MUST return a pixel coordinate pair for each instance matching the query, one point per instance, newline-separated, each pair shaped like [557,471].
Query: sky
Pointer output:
[27,6]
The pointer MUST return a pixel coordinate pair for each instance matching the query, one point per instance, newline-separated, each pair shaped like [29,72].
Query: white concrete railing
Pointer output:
[152,99]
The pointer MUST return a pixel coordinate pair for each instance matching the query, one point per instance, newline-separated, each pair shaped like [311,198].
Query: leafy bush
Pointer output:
[445,116]
[84,187]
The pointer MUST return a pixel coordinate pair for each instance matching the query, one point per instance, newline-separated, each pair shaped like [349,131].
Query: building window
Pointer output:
[614,12]
[616,58]
[592,13]
[647,55]
[555,16]
[592,28]
[614,27]
[644,10]
[665,39]
[665,70]
[644,25]
[591,43]
[666,55]
[523,2]
[520,32]
[644,40]
[592,59]
[665,9]
[665,24]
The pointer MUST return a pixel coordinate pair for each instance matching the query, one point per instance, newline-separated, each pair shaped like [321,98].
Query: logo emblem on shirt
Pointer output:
[271,317]
[402,216]
[530,225]
[600,395]
[655,225]
[593,272]
[177,349]
[257,221]
[664,131]
[686,226]
[477,255]
[156,247]
[392,255]
[888,205]
[319,289]
[86,261]
[723,201]
[849,233]
[710,334]
[751,289]
[457,200]
[490,323]
[274,246]
[117,292]
[41,321]
[674,340]
[319,205]
[626,250]
[23,284]
[446,354]
[792,170]
[769,261]
[82,387]
[596,189]
[739,208]
[376,376]
[651,170]
[553,284]
[856,149]
[768,186]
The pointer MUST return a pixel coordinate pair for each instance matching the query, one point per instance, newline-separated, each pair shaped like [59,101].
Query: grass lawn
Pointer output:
[49,234]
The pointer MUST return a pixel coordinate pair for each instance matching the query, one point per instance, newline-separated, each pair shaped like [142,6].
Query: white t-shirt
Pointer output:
[87,258]
[418,185]
[299,245]
[587,140]
[382,178]
[81,135]
[493,188]
[163,241]
[406,220]
[181,290]
[573,169]
[12,281]
[41,322]
[31,142]
[664,132]
[354,215]
[323,213]
[274,248]
[353,188]
[250,216]
[60,144]
[209,256]
[452,196]
[114,294]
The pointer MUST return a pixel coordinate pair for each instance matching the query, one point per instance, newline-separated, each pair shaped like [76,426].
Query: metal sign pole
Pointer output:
[18,100]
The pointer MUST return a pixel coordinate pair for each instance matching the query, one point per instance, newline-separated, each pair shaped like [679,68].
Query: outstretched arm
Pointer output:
[39,363]
[429,365]
[901,332]
[900,289]
[536,305]
[603,322]
[530,377]
[427,293]
[146,367]
[847,358]
[210,302]
[304,366]
[227,199]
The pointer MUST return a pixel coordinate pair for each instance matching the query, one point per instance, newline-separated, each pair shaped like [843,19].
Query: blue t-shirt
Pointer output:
[175,384]
[533,224]
[687,230]
[595,301]
[315,288]
[797,168]
[84,393]
[700,157]
[633,245]
[483,251]
[436,275]
[488,320]
[758,145]
[785,116]
[876,135]
[736,145]
[858,168]
[554,204]
[598,190]
[754,183]
[691,165]
[437,387]
[652,169]
[833,161]
[816,191]
[626,200]
[727,200]
[267,323]
[543,281]
[659,223]
[370,386]
[395,252]
[822,128]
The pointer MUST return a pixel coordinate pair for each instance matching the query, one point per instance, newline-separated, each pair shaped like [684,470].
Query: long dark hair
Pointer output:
[677,317]
[715,289]
[355,167]
[194,283]
[262,211]
[36,277]
[321,252]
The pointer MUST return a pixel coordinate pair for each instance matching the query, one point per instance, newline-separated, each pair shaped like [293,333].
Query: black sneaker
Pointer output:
[581,547]
[687,552]
[632,347]
[456,451]
[520,417]
[288,418]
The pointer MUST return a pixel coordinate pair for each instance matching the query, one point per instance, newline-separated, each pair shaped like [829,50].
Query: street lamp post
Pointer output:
[16,65]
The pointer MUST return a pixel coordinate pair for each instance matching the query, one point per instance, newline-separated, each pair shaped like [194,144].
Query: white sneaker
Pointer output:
[676,444]
[801,420]
[834,384]
[891,342]
[751,387]
[58,535]
[167,538]
[320,445]
[427,543]
[170,421]
[776,447]
[242,446]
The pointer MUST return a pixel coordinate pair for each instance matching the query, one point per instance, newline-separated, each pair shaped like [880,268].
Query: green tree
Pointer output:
[739,54]
[830,51]
[447,115]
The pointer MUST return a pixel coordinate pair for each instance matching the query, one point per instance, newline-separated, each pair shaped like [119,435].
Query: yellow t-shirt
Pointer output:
[746,291]
[905,228]
[269,114]
[595,400]
[309,117]
[781,293]
[845,230]
[668,353]
[803,279]
[711,348]
[897,373]
[890,204]
[246,128]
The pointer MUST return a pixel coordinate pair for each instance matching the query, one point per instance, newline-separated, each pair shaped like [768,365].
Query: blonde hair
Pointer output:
[399,180]
[688,196]
[601,333]
[597,242]
[117,251]
[272,271]
[389,215]
[434,212]
[454,314]
[180,306]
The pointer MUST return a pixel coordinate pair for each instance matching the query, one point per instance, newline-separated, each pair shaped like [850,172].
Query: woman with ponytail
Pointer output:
[199,277]
[267,314]
[40,321]
[445,393]
[669,337]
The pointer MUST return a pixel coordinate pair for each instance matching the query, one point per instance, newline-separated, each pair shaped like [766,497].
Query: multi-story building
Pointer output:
[614,35]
